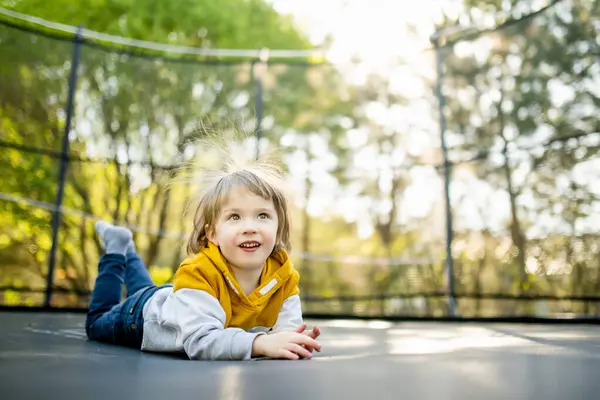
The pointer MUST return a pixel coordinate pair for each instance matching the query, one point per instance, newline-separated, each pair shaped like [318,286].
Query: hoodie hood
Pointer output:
[277,270]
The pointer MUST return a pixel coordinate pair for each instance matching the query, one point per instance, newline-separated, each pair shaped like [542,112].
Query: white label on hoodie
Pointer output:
[268,287]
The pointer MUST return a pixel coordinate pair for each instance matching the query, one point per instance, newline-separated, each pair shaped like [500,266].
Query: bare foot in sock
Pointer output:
[115,239]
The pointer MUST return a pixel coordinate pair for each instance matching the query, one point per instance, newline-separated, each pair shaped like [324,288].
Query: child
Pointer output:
[235,298]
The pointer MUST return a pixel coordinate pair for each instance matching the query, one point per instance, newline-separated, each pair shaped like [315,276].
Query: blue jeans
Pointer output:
[110,320]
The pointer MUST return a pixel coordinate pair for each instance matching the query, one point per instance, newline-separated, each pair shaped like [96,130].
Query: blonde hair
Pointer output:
[261,177]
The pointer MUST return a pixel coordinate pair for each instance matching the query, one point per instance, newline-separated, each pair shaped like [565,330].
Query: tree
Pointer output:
[136,113]
[516,87]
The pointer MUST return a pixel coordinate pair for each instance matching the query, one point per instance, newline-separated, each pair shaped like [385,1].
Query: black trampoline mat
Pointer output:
[47,356]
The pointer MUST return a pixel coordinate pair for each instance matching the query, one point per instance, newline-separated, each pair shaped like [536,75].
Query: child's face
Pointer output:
[245,229]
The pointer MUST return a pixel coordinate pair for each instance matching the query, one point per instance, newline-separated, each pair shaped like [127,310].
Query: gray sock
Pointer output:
[115,239]
[130,247]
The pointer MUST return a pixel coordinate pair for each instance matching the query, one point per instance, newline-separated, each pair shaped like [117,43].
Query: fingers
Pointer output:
[308,342]
[300,328]
[288,355]
[294,344]
[299,350]
[315,333]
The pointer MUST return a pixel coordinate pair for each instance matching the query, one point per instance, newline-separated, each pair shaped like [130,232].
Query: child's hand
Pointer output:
[288,345]
[315,333]
[311,334]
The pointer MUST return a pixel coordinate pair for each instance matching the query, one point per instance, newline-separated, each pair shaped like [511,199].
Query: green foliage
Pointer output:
[531,87]
[136,113]
[239,24]
[137,116]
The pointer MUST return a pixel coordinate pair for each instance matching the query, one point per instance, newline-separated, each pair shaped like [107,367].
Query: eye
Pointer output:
[263,216]
[234,217]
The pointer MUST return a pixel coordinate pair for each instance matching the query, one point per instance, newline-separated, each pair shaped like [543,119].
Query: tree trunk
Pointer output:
[157,239]
[305,265]
[516,232]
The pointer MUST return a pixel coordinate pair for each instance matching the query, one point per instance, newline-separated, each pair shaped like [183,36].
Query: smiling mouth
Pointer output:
[249,245]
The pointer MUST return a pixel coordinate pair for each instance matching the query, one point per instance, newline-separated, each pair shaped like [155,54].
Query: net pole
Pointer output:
[436,39]
[64,160]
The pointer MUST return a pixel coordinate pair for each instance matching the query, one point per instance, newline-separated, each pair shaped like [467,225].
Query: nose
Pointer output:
[249,226]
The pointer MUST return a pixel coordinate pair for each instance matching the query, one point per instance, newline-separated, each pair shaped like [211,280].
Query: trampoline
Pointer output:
[45,355]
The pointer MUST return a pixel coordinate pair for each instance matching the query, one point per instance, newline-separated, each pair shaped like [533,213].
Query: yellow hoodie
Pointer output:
[207,315]
[208,271]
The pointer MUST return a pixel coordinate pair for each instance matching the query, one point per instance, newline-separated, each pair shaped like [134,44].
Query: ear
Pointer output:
[210,235]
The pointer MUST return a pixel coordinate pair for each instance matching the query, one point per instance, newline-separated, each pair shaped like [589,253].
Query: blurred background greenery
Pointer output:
[359,126]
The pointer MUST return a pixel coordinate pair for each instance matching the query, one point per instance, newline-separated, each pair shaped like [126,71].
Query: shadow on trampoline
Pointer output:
[47,355]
